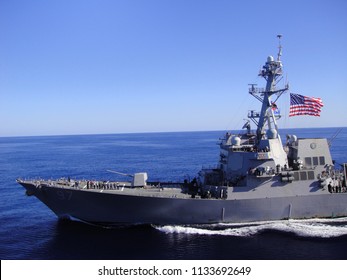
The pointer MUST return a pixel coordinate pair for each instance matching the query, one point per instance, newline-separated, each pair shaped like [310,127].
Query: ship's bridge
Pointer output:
[239,154]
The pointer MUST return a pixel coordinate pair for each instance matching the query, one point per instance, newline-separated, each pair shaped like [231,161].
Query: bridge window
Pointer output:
[308,161]
[322,160]
[315,161]
[303,175]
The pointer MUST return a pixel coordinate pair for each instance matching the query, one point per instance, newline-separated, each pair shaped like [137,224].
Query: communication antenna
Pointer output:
[334,136]
[279,36]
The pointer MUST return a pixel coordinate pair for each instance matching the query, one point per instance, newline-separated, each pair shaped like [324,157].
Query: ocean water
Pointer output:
[29,230]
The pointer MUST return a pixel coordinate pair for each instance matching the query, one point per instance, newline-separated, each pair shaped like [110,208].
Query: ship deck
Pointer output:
[177,190]
[167,190]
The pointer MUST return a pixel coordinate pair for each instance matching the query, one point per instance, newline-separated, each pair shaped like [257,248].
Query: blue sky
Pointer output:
[85,67]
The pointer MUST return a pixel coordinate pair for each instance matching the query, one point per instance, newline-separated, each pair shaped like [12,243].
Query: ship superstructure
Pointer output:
[249,158]
[257,178]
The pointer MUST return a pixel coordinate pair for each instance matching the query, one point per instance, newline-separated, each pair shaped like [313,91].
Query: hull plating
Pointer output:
[111,208]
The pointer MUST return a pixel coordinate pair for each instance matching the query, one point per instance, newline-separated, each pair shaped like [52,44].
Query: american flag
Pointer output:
[303,105]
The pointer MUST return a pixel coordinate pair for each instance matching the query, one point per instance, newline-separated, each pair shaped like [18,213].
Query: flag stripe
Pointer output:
[304,105]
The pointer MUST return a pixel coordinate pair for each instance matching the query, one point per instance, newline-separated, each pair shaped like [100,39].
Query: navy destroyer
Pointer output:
[257,178]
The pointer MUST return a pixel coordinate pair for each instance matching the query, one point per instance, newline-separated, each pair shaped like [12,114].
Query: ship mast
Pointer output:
[272,73]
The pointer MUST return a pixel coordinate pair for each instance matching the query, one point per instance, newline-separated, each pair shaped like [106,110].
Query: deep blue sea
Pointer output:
[29,230]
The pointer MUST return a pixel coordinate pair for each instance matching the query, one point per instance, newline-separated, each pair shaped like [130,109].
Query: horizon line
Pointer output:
[150,132]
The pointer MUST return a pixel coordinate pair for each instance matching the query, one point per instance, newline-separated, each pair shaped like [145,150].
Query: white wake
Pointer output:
[322,228]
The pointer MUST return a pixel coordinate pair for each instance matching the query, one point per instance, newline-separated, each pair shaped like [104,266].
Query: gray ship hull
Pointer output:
[112,208]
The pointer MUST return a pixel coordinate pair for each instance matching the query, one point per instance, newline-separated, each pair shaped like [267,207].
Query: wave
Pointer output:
[320,228]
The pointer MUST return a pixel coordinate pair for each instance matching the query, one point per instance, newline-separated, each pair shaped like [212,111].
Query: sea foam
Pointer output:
[320,228]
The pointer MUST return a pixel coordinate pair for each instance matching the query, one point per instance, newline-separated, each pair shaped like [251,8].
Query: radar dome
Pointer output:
[293,138]
[236,141]
[270,58]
